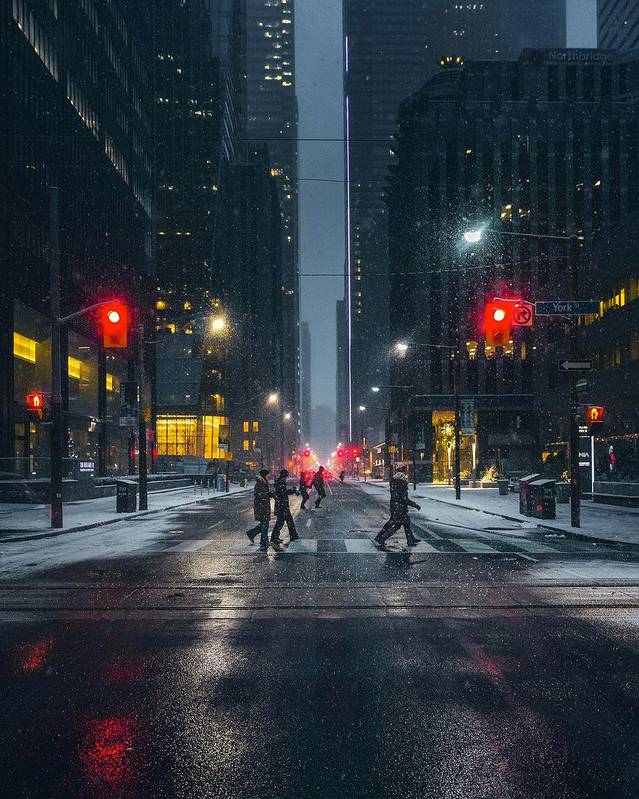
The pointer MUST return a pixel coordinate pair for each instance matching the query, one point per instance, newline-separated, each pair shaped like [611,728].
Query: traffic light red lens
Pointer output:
[499,315]
[113,317]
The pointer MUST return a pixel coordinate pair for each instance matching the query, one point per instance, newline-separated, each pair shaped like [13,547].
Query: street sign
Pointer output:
[575,366]
[523,314]
[467,417]
[567,308]
[128,404]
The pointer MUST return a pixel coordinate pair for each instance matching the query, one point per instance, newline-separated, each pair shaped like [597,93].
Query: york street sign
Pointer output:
[575,366]
[567,308]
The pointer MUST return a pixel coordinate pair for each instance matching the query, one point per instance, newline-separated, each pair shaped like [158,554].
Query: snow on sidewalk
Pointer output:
[18,519]
[606,522]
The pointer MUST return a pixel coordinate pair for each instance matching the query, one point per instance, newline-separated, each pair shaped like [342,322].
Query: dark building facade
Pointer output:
[75,83]
[272,122]
[390,50]
[547,144]
[305,394]
[617,24]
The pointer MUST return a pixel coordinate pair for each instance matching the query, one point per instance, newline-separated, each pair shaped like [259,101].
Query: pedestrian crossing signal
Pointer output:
[38,403]
[595,414]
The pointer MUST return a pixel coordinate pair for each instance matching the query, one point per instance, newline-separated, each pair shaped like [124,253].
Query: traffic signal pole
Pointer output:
[57,438]
[456,380]
[573,406]
[142,462]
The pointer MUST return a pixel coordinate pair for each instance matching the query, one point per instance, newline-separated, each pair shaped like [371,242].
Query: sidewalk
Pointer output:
[22,522]
[598,522]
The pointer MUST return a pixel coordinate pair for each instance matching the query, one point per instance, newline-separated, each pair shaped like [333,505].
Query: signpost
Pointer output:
[575,366]
[567,308]
[523,314]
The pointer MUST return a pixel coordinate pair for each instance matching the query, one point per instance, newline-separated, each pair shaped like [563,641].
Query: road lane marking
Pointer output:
[475,547]
[217,524]
[191,546]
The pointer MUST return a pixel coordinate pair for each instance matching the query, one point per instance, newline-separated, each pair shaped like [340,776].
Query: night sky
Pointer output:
[319,94]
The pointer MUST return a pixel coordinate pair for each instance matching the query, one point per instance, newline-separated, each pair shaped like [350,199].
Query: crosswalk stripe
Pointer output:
[476,547]
[535,547]
[191,546]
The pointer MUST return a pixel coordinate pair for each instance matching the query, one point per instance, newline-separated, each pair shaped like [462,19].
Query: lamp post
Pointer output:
[475,236]
[388,423]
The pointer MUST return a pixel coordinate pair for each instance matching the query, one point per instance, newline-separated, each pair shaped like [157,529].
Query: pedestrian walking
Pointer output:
[283,510]
[318,485]
[261,509]
[399,504]
[342,475]
[303,489]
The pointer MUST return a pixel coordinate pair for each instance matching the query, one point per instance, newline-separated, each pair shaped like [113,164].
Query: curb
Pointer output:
[578,536]
[81,528]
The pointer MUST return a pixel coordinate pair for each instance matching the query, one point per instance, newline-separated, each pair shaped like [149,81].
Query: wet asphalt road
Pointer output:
[165,658]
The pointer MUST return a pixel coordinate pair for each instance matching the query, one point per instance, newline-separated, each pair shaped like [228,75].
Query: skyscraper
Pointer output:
[305,380]
[272,122]
[390,50]
[617,24]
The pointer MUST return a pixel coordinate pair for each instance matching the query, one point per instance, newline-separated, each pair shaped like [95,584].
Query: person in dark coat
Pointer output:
[342,476]
[283,510]
[303,489]
[318,485]
[399,504]
[261,509]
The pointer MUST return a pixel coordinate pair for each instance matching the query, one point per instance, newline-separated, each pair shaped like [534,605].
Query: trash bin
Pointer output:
[221,482]
[524,492]
[562,493]
[126,496]
[542,499]
[502,485]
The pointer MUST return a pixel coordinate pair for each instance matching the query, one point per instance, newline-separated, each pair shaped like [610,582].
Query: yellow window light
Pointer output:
[24,348]
[74,368]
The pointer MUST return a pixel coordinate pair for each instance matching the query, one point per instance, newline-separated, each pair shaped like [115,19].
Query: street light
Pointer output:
[362,408]
[218,324]
[401,347]
[288,416]
[473,236]
[273,398]
[376,389]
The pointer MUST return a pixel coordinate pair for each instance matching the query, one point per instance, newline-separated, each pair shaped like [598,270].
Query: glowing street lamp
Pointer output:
[288,416]
[473,236]
[273,398]
[218,324]
[375,389]
[362,408]
[401,347]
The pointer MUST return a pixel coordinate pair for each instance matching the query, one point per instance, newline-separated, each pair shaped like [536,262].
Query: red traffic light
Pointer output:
[595,414]
[340,453]
[307,453]
[497,322]
[355,452]
[114,318]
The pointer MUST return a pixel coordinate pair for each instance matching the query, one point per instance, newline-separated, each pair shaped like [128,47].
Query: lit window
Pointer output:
[24,348]
[245,445]
[256,427]
[245,427]
[160,305]
[74,368]
[506,213]
[112,383]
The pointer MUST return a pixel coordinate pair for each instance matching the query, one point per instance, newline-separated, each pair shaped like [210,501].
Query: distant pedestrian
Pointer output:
[342,475]
[261,509]
[303,489]
[283,510]
[318,485]
[399,504]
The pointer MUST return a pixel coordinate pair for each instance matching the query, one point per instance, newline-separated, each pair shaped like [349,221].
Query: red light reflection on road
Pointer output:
[32,657]
[109,757]
[122,670]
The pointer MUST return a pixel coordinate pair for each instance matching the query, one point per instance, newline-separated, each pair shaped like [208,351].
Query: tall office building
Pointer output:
[76,94]
[618,24]
[391,49]
[272,122]
[305,381]
[546,145]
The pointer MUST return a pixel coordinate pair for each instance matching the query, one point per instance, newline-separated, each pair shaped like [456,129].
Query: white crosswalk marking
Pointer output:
[475,547]
[191,546]
[534,546]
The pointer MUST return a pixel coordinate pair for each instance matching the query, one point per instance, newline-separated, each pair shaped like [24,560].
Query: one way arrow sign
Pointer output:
[575,366]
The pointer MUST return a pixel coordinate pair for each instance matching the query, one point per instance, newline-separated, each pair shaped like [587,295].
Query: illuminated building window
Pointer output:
[74,368]
[36,36]
[256,427]
[245,427]
[184,435]
[24,348]
[187,305]
[245,445]
[160,305]
[506,213]
[112,383]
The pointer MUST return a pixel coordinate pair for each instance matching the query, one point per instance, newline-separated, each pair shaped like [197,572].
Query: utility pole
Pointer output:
[142,464]
[57,513]
[456,376]
[573,407]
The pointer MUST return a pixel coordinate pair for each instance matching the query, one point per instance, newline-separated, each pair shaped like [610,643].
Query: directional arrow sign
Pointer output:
[575,366]
[567,308]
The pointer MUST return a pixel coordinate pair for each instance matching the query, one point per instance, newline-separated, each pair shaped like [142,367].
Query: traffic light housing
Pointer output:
[595,414]
[497,322]
[340,453]
[38,403]
[114,318]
